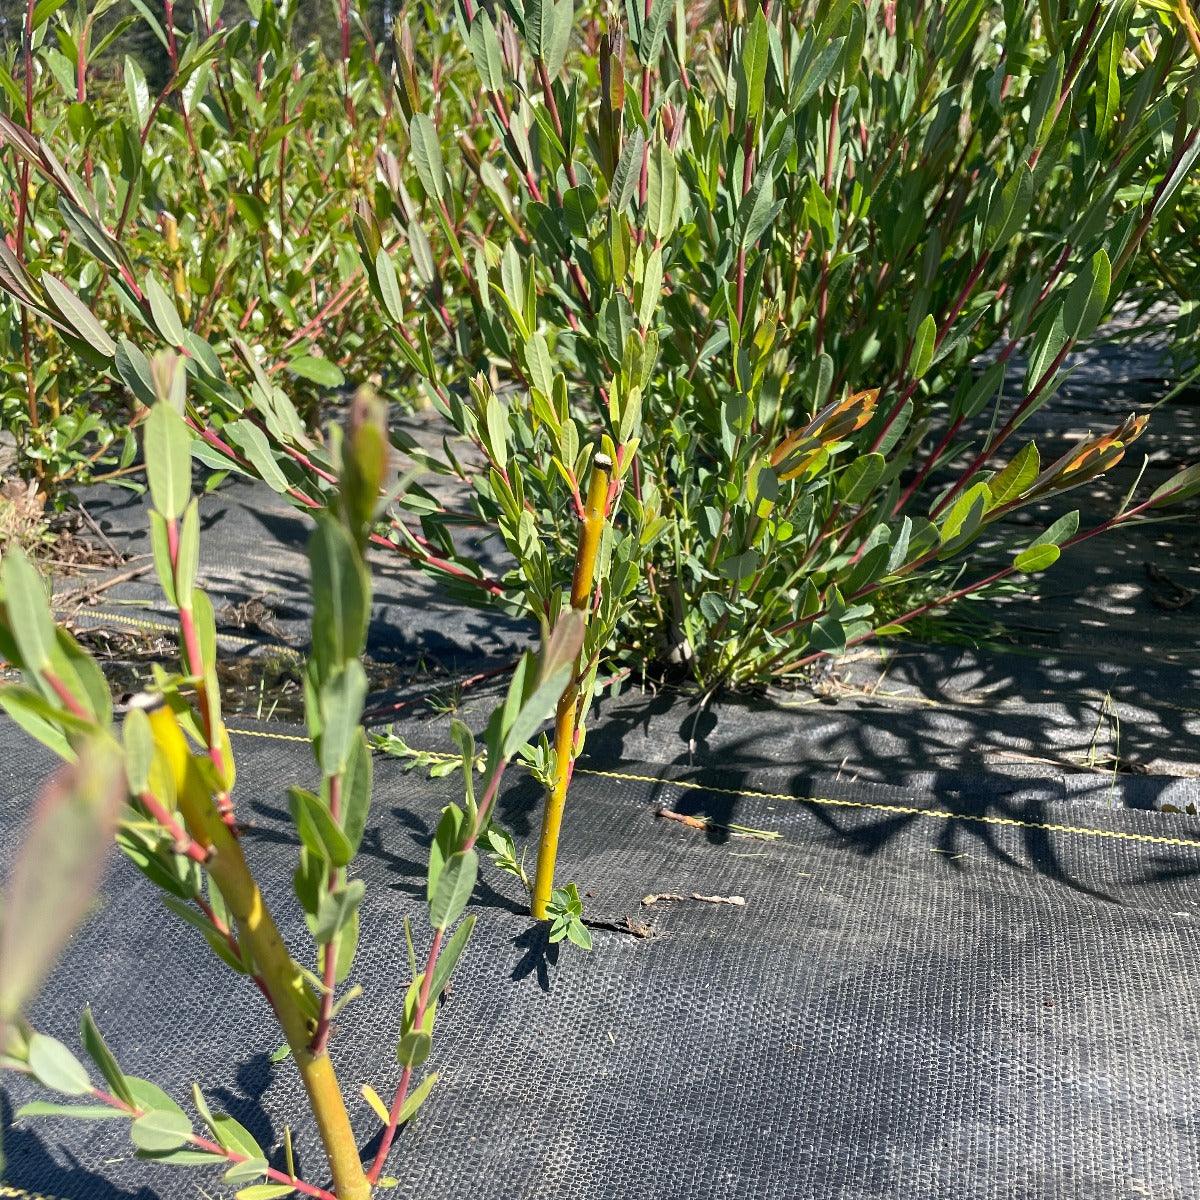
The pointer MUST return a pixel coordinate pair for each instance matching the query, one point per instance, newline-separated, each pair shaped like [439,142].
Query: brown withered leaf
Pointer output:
[832,424]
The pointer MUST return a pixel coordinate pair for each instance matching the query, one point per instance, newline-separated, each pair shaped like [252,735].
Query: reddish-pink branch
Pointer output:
[65,695]
[232,1156]
[435,949]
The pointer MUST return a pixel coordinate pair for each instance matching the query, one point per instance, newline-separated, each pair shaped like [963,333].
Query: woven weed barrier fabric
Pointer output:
[254,565]
[989,998]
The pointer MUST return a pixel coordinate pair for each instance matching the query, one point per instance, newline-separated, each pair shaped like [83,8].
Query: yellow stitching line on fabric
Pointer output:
[1119,835]
[941,814]
[279,737]
[950,705]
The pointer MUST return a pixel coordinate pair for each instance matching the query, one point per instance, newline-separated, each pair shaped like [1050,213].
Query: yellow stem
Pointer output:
[566,719]
[282,978]
[1190,25]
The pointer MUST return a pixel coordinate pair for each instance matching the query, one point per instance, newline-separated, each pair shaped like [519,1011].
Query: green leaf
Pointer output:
[1087,297]
[160,548]
[1009,208]
[815,72]
[664,195]
[188,562]
[79,317]
[651,289]
[1036,558]
[451,953]
[81,1112]
[163,313]
[416,1098]
[251,1168]
[413,1048]
[336,909]
[236,1137]
[1108,70]
[137,90]
[55,1067]
[757,208]
[454,887]
[134,369]
[265,1191]
[389,286]
[252,442]
[341,702]
[963,520]
[57,870]
[27,611]
[38,717]
[183,1158]
[1181,486]
[626,175]
[742,566]
[167,443]
[102,1056]
[1016,476]
[923,347]
[318,829]
[356,791]
[861,477]
[485,49]
[539,707]
[1049,343]
[43,11]
[317,370]
[1063,529]
[341,591]
[156,1132]
[539,27]
[650,43]
[85,677]
[579,934]
[150,1097]
[138,741]
[755,52]
[427,156]
[447,841]
[541,367]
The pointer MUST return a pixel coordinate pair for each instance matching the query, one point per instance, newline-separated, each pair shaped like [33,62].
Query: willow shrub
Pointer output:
[779,265]
[163,783]
[742,312]
[801,275]
[230,186]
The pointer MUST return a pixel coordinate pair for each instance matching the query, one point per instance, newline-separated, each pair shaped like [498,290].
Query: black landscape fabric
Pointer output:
[918,997]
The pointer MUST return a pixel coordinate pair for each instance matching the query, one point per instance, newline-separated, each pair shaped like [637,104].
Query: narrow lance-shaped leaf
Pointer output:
[427,156]
[57,869]
[168,449]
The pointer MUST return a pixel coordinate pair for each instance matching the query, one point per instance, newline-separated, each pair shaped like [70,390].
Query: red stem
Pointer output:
[435,949]
[22,214]
[184,843]
[233,1156]
[65,695]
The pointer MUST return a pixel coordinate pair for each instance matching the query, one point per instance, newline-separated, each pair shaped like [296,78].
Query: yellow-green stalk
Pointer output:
[257,932]
[566,719]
